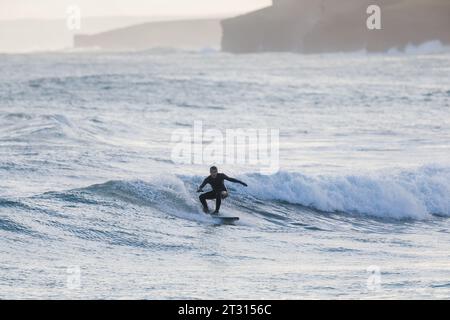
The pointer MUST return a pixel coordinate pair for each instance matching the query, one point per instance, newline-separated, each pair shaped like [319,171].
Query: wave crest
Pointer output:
[403,195]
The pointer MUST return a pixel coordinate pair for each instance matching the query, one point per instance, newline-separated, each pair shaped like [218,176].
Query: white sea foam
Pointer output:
[407,194]
[429,47]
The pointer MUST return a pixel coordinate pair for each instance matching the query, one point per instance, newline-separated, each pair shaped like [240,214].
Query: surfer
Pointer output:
[219,191]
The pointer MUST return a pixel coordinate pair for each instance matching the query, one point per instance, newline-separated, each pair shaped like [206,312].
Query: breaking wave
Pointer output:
[415,194]
[418,194]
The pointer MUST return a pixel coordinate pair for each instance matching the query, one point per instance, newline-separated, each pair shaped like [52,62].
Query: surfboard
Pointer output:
[222,219]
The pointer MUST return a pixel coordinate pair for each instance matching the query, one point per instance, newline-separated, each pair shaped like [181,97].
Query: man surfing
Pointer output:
[219,191]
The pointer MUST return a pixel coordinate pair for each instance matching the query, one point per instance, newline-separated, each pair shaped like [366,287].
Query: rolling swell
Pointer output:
[19,127]
[7,223]
[168,195]
[12,226]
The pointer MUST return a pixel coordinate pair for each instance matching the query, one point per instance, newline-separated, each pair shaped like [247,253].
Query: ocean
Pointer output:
[93,205]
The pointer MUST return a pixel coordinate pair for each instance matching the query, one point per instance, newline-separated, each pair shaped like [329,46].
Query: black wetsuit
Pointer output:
[218,186]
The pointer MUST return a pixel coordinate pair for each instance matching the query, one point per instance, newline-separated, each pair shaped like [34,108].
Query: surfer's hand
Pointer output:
[244,184]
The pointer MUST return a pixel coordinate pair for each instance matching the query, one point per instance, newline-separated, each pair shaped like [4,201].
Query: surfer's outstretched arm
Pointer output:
[234,180]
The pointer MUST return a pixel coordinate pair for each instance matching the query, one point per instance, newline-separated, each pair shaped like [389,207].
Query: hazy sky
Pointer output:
[54,9]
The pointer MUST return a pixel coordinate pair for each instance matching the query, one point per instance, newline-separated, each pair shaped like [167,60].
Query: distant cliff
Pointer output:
[189,34]
[315,26]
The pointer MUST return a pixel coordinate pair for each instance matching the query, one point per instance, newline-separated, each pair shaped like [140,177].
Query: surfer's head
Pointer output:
[213,171]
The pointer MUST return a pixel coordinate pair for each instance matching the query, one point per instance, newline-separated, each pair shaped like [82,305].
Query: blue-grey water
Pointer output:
[92,204]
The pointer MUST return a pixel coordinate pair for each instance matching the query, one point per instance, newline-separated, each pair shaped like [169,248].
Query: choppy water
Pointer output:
[92,206]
